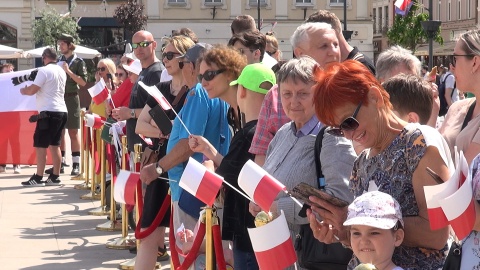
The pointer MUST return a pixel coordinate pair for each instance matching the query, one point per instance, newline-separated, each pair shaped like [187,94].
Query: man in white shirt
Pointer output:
[49,88]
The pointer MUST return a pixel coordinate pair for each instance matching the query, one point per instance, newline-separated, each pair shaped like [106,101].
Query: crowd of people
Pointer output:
[381,124]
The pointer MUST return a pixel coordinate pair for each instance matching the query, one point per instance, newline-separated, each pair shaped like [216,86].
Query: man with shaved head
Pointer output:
[143,45]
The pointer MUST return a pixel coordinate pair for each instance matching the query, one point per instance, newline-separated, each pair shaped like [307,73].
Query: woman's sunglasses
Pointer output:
[169,55]
[349,124]
[454,58]
[120,75]
[209,75]
[102,69]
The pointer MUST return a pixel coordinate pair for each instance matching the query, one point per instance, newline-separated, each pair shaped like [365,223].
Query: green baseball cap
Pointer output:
[254,75]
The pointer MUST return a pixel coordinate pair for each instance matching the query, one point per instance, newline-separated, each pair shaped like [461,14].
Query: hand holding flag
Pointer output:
[99,92]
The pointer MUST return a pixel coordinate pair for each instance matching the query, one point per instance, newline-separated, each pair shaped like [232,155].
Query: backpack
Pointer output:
[441,95]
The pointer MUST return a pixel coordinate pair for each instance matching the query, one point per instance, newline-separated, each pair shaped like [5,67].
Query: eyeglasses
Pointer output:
[181,64]
[209,75]
[120,75]
[349,124]
[454,58]
[271,53]
[169,55]
[102,69]
[142,44]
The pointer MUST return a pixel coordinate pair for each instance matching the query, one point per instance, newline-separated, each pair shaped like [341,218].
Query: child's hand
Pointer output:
[185,236]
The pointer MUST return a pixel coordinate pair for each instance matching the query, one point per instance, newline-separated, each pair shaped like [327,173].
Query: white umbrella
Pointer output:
[81,51]
[9,52]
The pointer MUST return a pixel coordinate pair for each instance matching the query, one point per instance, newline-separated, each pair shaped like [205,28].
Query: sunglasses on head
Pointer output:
[169,55]
[454,58]
[209,75]
[102,69]
[349,124]
[142,44]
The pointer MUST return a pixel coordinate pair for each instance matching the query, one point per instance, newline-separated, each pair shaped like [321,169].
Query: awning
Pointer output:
[81,51]
[438,50]
[10,52]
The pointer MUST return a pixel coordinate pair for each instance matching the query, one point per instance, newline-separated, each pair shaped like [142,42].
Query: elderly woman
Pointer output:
[290,155]
[175,92]
[394,161]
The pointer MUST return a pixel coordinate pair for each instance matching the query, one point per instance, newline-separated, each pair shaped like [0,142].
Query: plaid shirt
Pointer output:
[271,118]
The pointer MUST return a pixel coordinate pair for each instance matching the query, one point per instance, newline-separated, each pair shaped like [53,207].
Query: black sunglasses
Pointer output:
[169,55]
[142,44]
[349,124]
[242,50]
[454,58]
[120,74]
[209,75]
[102,69]
[181,64]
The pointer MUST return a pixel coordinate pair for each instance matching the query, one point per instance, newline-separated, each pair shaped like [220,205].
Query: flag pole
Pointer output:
[293,198]
[239,192]
[180,119]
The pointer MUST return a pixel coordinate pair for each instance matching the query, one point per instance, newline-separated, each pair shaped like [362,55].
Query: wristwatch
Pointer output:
[132,113]
[159,169]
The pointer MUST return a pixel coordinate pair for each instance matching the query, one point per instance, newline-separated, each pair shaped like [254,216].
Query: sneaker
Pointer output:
[17,169]
[64,164]
[162,255]
[2,169]
[52,182]
[34,181]
[75,169]
[50,170]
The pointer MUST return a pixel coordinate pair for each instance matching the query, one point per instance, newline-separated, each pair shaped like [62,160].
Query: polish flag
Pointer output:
[460,209]
[402,4]
[99,92]
[157,95]
[259,185]
[125,187]
[272,244]
[433,194]
[16,132]
[93,120]
[200,182]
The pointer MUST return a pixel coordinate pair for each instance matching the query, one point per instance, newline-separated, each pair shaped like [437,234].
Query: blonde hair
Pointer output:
[112,68]
[180,43]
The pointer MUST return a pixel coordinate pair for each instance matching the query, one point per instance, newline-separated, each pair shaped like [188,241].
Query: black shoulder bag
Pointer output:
[311,253]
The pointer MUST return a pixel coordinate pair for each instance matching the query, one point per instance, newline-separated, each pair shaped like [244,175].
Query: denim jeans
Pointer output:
[244,260]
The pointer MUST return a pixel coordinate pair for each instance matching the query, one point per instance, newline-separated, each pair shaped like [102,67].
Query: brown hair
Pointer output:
[225,58]
[326,17]
[341,83]
[242,23]
[254,40]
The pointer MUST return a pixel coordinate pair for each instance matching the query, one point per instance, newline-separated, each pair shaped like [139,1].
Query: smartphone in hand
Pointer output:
[303,191]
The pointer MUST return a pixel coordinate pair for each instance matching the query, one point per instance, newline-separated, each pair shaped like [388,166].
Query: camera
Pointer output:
[27,77]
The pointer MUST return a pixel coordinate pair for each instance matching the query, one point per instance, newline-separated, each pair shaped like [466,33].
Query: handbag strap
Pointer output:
[179,95]
[469,115]
[318,164]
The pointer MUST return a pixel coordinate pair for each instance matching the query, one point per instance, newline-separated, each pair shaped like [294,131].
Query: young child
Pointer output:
[376,229]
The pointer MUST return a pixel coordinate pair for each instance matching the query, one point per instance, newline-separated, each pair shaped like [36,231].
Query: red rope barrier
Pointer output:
[192,254]
[217,244]
[160,215]
[96,158]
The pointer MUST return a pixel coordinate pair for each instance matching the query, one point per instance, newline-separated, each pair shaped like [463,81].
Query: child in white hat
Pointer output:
[376,229]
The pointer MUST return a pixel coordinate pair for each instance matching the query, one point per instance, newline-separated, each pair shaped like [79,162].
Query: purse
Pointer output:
[149,156]
[454,257]
[311,253]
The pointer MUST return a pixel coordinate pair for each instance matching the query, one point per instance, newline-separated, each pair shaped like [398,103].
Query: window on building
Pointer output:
[255,2]
[303,2]
[213,2]
[374,12]
[449,11]
[469,5]
[8,37]
[177,2]
[459,10]
[385,14]
[337,2]
[439,8]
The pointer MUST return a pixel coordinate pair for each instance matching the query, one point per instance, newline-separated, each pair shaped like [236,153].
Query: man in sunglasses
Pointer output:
[250,43]
[76,72]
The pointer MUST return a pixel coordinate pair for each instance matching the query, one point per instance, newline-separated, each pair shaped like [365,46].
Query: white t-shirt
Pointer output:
[51,80]
[450,83]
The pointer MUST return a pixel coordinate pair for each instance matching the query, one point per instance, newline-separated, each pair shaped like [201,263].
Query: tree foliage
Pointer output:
[51,25]
[407,30]
[131,16]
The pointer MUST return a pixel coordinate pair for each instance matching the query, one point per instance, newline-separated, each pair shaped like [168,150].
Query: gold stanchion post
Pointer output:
[92,194]
[101,211]
[85,159]
[209,262]
[81,175]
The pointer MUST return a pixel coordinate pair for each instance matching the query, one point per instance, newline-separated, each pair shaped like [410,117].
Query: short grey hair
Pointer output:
[394,56]
[471,42]
[297,69]
[302,31]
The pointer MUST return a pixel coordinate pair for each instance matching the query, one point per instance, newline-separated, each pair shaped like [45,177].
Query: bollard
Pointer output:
[101,211]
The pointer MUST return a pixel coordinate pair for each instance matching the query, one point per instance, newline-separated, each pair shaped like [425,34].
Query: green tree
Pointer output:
[407,30]
[51,24]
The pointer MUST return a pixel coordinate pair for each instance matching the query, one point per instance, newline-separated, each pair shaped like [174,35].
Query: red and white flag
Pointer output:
[460,209]
[125,187]
[93,120]
[259,185]
[16,132]
[147,140]
[433,194]
[157,95]
[200,182]
[272,244]
[99,92]
[402,4]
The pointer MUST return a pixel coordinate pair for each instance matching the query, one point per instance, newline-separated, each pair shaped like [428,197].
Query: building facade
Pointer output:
[209,19]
